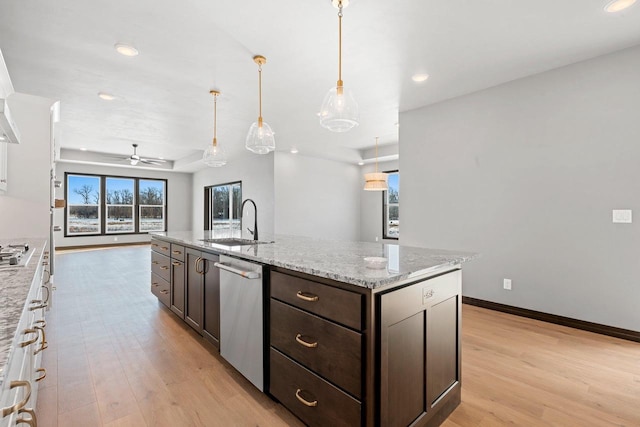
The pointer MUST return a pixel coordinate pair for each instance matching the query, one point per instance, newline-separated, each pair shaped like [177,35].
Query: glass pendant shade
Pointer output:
[376,181]
[214,156]
[260,138]
[339,111]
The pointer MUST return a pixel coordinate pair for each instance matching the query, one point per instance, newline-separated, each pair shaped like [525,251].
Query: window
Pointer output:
[120,205]
[100,205]
[391,207]
[152,205]
[83,205]
[223,206]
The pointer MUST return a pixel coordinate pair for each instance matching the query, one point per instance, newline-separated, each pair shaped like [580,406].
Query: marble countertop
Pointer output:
[337,260]
[15,283]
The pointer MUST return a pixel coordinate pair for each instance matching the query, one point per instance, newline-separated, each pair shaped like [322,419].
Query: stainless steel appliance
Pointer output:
[241,317]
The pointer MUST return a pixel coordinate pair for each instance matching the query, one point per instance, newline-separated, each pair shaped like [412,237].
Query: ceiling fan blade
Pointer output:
[148,159]
[152,162]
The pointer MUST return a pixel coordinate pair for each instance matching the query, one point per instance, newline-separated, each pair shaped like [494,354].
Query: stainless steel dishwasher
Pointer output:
[241,318]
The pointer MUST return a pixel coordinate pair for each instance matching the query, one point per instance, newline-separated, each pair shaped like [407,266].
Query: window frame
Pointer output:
[208,202]
[163,205]
[102,206]
[385,209]
[133,207]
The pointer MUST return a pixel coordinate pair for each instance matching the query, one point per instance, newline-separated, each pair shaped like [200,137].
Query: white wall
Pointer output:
[256,173]
[179,202]
[527,174]
[317,197]
[371,206]
[25,206]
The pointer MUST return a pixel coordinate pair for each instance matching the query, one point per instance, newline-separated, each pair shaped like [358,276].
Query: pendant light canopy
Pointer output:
[214,155]
[376,181]
[339,111]
[260,138]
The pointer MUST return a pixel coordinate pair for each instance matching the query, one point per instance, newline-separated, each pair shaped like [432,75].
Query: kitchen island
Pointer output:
[344,344]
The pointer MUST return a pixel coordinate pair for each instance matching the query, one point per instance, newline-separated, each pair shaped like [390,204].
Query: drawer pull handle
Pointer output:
[164,248]
[176,263]
[37,307]
[18,406]
[155,262]
[155,284]
[306,343]
[304,401]
[307,296]
[164,267]
[164,292]
[46,288]
[154,244]
[41,322]
[33,422]
[31,341]
[177,252]
[43,371]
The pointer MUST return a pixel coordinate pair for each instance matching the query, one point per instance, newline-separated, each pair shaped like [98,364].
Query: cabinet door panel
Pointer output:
[177,288]
[211,297]
[194,290]
[442,348]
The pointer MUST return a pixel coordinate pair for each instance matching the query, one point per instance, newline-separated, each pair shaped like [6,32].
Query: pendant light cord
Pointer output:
[215,118]
[340,44]
[260,92]
[376,154]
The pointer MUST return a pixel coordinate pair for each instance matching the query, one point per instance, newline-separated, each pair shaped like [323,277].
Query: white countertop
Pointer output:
[337,260]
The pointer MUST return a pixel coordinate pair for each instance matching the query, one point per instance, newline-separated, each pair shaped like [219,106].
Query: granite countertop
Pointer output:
[338,260]
[15,283]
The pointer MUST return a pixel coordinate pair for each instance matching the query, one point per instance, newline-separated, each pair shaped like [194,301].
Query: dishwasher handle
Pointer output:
[245,274]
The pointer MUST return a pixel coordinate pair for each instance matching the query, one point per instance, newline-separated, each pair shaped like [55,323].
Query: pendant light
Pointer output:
[376,181]
[214,155]
[260,138]
[339,111]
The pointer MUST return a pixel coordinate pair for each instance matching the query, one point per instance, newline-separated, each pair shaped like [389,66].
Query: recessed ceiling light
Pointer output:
[618,5]
[419,78]
[126,49]
[83,149]
[106,96]
[294,150]
[360,163]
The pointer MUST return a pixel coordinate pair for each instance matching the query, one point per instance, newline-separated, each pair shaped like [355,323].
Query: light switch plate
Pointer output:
[622,216]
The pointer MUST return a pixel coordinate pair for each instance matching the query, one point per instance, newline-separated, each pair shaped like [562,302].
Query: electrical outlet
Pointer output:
[115,239]
[507,284]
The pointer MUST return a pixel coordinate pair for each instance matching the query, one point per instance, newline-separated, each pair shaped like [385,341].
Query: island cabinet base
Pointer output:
[404,341]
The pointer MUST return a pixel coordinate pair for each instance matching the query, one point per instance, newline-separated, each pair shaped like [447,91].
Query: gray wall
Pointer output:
[256,173]
[527,174]
[317,197]
[371,206]
[179,203]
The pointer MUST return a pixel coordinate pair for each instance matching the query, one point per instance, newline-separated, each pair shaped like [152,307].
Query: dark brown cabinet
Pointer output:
[177,287]
[420,351]
[202,296]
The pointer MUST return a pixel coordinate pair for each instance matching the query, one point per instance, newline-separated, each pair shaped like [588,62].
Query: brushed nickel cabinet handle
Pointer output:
[164,292]
[33,421]
[30,341]
[155,262]
[44,345]
[176,263]
[36,301]
[43,371]
[176,252]
[154,244]
[195,264]
[304,401]
[305,296]
[155,284]
[164,267]
[306,343]
[42,323]
[18,406]
[164,248]
[37,307]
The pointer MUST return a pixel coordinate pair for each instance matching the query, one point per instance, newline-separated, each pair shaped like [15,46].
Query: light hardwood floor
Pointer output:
[117,358]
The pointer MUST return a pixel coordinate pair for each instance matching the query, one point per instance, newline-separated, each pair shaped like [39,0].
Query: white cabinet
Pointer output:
[3,167]
[18,392]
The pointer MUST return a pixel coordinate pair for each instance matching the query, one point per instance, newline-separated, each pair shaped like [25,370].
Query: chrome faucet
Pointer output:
[254,233]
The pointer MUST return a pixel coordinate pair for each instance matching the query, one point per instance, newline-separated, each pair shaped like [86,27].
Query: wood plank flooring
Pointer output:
[118,358]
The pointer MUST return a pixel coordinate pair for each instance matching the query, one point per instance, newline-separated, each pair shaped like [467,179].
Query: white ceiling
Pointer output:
[64,50]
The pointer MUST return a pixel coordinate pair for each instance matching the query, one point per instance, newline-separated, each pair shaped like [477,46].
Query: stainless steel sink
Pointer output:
[234,241]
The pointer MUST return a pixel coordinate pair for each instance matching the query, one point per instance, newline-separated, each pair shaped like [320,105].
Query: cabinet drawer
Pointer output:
[160,246]
[333,303]
[315,401]
[160,265]
[160,288]
[332,351]
[177,252]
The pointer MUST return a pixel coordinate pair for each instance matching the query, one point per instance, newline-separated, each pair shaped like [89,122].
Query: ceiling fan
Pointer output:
[134,159]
